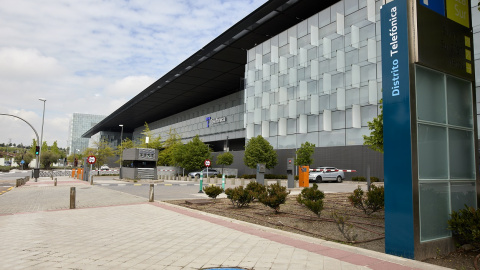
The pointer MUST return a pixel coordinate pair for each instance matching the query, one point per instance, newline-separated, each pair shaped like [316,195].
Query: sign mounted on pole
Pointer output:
[91,159]
[207,163]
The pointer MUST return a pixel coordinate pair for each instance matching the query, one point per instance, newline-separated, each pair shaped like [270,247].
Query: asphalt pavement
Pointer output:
[110,229]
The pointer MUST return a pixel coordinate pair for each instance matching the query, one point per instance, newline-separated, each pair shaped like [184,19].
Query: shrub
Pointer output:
[465,226]
[359,179]
[274,196]
[373,179]
[256,189]
[372,202]
[347,232]
[239,196]
[248,176]
[312,198]
[212,191]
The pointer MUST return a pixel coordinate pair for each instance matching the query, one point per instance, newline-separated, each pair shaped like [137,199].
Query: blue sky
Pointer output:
[92,56]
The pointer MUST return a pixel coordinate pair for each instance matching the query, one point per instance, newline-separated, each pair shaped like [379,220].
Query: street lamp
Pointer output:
[121,149]
[41,134]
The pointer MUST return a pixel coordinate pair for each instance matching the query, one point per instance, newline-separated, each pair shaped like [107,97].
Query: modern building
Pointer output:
[78,125]
[292,71]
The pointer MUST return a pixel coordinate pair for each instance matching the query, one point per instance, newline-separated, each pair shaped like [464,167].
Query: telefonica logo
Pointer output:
[216,120]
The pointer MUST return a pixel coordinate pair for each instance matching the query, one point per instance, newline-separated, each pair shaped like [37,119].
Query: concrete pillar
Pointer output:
[72,197]
[151,193]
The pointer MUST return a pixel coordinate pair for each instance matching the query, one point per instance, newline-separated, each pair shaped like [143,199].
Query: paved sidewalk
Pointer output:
[115,230]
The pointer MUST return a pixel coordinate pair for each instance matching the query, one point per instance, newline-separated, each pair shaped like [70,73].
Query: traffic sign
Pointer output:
[207,163]
[91,159]
[22,162]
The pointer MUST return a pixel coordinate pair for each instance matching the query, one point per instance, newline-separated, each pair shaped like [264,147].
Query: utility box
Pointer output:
[261,173]
[290,177]
[303,176]
[139,163]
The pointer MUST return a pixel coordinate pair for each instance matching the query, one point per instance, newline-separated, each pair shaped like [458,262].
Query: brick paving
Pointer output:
[115,230]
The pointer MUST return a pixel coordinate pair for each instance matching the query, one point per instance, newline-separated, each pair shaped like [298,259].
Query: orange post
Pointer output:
[303,172]
[81,174]
[73,173]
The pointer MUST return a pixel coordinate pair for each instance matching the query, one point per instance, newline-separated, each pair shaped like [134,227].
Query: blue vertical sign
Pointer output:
[399,229]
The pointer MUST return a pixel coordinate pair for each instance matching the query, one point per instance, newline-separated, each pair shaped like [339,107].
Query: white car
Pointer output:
[104,168]
[322,174]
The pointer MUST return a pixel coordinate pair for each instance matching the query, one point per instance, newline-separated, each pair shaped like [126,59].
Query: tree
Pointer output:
[192,155]
[225,159]
[34,146]
[155,142]
[103,152]
[259,150]
[166,157]
[47,158]
[375,140]
[27,157]
[304,154]
[44,146]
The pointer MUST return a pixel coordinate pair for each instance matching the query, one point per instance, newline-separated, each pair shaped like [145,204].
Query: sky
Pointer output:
[92,56]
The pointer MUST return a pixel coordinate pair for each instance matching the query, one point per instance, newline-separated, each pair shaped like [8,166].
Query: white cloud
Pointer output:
[92,56]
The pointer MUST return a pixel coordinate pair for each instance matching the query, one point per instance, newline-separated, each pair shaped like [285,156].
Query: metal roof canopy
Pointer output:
[215,71]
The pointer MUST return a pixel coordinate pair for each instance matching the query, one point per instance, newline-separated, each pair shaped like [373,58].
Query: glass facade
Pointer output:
[225,118]
[317,81]
[446,157]
[79,124]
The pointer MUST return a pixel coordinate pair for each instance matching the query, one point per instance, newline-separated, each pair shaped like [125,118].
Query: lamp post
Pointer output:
[41,134]
[121,149]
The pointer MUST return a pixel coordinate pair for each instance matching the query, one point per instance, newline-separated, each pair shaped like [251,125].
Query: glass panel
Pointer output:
[461,147]
[459,93]
[434,211]
[312,123]
[285,142]
[291,126]
[432,152]
[430,95]
[463,193]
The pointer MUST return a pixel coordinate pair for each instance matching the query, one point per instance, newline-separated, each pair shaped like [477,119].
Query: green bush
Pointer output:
[248,176]
[312,198]
[359,179]
[212,191]
[373,179]
[239,196]
[256,189]
[372,202]
[274,196]
[5,168]
[465,226]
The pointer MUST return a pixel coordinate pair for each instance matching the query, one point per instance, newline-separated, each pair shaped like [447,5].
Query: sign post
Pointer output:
[430,125]
[91,160]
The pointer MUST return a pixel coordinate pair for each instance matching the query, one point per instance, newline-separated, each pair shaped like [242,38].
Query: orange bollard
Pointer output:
[73,173]
[303,172]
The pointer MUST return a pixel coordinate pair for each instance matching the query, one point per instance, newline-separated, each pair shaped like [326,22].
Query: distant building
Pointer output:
[79,124]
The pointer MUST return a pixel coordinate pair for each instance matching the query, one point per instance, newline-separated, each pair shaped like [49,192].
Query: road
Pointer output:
[179,190]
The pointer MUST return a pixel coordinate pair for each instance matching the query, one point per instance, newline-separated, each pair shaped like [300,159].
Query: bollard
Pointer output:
[151,193]
[91,180]
[72,197]
[223,181]
[55,182]
[201,182]
[279,182]
[51,175]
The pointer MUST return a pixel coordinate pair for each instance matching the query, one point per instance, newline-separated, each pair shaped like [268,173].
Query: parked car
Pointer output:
[104,168]
[322,174]
[211,172]
[8,163]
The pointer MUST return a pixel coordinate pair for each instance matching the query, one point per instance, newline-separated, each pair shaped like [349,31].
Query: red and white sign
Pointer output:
[91,159]
[207,163]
